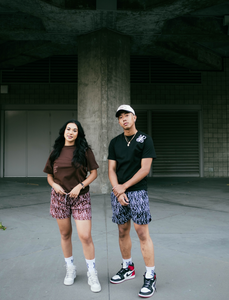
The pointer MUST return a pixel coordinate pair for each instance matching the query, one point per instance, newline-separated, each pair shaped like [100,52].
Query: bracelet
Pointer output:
[82,185]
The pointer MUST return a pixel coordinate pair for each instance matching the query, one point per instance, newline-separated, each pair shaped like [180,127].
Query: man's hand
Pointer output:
[123,200]
[118,190]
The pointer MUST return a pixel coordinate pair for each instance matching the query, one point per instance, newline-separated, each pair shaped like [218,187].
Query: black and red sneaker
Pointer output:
[124,274]
[149,287]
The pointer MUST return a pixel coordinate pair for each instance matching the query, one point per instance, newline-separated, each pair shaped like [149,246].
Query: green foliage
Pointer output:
[2,227]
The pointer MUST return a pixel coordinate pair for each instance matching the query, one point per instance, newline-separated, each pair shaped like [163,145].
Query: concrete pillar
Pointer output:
[103,85]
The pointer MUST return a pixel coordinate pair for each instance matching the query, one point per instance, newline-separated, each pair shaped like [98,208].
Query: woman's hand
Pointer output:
[58,189]
[75,191]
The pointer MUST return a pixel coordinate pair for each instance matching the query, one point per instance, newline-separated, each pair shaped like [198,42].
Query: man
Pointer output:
[130,158]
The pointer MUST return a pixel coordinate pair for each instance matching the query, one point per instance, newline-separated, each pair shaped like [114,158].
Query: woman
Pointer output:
[67,168]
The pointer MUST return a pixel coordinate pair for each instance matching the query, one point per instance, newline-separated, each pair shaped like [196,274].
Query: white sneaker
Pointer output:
[93,281]
[70,274]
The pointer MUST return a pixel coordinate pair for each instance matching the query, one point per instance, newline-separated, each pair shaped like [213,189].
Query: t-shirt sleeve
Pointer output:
[48,168]
[149,151]
[91,162]
[111,150]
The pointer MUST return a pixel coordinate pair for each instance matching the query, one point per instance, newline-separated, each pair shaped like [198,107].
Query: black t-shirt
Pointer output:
[128,159]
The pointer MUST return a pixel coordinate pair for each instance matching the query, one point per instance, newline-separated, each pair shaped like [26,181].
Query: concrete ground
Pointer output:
[190,231]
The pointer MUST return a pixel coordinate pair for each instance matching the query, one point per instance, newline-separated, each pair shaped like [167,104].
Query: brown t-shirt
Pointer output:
[65,174]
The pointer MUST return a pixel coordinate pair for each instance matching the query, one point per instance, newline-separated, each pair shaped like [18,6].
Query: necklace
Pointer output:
[128,142]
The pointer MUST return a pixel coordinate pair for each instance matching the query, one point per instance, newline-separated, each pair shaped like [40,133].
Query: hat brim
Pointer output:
[122,111]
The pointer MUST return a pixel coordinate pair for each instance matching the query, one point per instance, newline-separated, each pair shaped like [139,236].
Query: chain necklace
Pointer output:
[128,142]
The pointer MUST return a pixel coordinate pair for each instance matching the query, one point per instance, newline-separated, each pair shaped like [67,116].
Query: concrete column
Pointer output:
[103,85]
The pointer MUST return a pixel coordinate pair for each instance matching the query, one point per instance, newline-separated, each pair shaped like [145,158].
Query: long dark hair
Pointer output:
[80,143]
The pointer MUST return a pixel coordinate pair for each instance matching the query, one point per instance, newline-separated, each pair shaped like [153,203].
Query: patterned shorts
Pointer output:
[63,206]
[138,209]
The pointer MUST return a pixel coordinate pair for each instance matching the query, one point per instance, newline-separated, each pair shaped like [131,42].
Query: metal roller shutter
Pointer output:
[141,122]
[175,136]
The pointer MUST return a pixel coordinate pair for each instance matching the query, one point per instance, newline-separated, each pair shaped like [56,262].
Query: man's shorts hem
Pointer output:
[138,209]
[133,221]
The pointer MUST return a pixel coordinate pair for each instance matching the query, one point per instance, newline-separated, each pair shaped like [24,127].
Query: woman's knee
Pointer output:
[66,235]
[85,238]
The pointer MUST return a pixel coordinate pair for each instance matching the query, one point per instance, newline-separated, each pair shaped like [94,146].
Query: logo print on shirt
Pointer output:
[141,138]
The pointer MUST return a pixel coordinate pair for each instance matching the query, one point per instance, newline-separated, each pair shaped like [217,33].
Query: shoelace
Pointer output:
[94,278]
[148,283]
[69,272]
[122,271]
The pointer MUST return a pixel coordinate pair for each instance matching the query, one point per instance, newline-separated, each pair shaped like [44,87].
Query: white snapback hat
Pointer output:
[125,107]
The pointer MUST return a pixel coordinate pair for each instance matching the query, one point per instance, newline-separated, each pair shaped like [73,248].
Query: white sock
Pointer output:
[150,272]
[126,262]
[69,260]
[90,264]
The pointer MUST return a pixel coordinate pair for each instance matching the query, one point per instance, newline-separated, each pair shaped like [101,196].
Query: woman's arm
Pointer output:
[76,190]
[58,189]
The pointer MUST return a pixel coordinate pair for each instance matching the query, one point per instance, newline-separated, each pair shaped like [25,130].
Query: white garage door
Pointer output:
[29,137]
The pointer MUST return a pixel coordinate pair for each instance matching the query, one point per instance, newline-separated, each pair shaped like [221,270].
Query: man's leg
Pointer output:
[127,271]
[146,243]
[147,249]
[125,243]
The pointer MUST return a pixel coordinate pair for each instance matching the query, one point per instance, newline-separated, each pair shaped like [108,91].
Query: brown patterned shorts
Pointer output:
[63,206]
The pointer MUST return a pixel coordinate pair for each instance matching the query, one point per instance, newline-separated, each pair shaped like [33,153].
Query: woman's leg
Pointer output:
[84,233]
[65,227]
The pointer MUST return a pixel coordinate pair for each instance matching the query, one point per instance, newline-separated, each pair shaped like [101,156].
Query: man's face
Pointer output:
[126,120]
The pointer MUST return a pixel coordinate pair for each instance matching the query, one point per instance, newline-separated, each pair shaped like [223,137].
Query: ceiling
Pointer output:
[190,33]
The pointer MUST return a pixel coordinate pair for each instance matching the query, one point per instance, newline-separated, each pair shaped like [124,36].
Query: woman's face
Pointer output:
[70,134]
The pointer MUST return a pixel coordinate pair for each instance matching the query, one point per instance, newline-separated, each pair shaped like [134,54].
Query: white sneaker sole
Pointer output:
[71,282]
[120,281]
[95,290]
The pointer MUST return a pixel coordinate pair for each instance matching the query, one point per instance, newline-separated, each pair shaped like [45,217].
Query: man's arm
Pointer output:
[142,173]
[122,198]
[112,172]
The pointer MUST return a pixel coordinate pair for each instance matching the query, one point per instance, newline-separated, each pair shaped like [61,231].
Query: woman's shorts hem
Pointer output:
[63,206]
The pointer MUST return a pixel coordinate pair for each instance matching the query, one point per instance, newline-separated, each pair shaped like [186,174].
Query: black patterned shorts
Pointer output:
[63,206]
[138,209]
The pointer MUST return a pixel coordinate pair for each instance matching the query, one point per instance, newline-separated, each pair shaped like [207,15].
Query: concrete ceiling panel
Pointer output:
[180,29]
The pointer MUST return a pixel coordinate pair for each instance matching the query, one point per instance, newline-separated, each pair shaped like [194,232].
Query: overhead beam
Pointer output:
[196,28]
[192,56]
[14,54]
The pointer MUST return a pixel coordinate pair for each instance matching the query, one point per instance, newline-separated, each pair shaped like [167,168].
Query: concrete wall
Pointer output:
[40,94]
[212,95]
